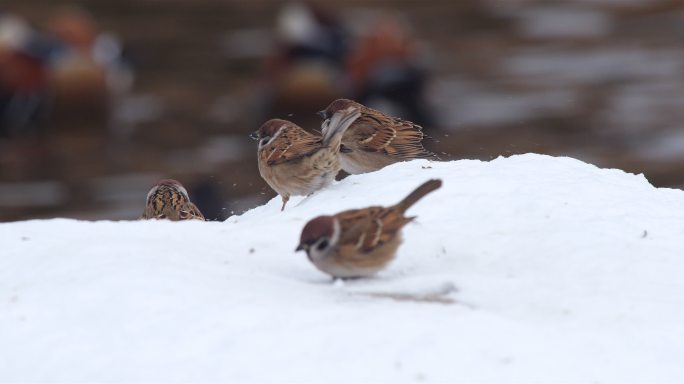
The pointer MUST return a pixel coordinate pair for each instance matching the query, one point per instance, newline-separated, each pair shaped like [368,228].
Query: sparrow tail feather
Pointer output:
[417,194]
[339,123]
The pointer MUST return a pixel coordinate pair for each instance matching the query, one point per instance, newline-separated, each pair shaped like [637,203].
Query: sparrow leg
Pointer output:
[285,199]
[304,200]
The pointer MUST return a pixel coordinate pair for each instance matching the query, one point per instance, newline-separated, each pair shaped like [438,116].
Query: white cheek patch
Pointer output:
[316,254]
[336,232]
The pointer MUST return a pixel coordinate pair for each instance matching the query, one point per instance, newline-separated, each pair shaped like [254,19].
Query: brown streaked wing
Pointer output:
[292,144]
[354,224]
[364,229]
[391,222]
[408,141]
[374,132]
[390,135]
[154,208]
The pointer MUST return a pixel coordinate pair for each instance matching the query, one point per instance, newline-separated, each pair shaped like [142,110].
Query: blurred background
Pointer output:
[100,98]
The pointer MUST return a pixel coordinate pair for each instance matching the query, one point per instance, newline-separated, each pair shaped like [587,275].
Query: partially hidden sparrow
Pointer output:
[359,242]
[297,163]
[168,199]
[376,140]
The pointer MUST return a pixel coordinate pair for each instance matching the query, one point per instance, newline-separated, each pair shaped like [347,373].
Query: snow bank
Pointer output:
[523,269]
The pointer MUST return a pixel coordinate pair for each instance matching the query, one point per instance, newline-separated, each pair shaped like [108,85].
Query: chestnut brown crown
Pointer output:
[268,129]
[338,105]
[322,226]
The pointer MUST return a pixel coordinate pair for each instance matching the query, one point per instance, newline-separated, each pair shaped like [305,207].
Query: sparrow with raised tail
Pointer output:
[295,162]
[359,242]
[168,199]
[376,140]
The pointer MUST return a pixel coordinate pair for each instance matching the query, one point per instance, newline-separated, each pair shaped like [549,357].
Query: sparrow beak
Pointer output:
[254,135]
[300,247]
[322,114]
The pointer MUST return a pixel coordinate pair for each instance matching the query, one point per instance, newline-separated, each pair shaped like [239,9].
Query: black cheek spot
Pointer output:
[322,245]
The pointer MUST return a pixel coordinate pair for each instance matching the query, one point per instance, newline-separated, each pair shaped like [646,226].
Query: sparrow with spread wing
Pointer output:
[295,162]
[375,140]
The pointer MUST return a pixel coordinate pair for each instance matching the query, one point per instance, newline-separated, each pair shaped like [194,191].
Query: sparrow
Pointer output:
[375,140]
[295,162]
[168,199]
[359,242]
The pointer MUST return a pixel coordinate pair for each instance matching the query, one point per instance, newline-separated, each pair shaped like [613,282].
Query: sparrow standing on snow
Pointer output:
[168,199]
[359,242]
[295,162]
[376,140]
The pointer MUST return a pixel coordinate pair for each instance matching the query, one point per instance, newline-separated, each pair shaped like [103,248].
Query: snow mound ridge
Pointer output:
[520,269]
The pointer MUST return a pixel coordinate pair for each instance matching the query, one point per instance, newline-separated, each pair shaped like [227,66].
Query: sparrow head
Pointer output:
[168,187]
[319,235]
[268,131]
[336,106]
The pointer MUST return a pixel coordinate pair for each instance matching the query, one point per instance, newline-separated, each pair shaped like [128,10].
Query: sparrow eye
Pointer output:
[322,245]
[265,140]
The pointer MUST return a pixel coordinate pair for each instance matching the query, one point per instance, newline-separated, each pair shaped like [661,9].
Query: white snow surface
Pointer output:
[527,269]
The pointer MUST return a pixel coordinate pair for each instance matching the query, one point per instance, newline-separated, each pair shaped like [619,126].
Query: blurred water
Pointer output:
[602,80]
